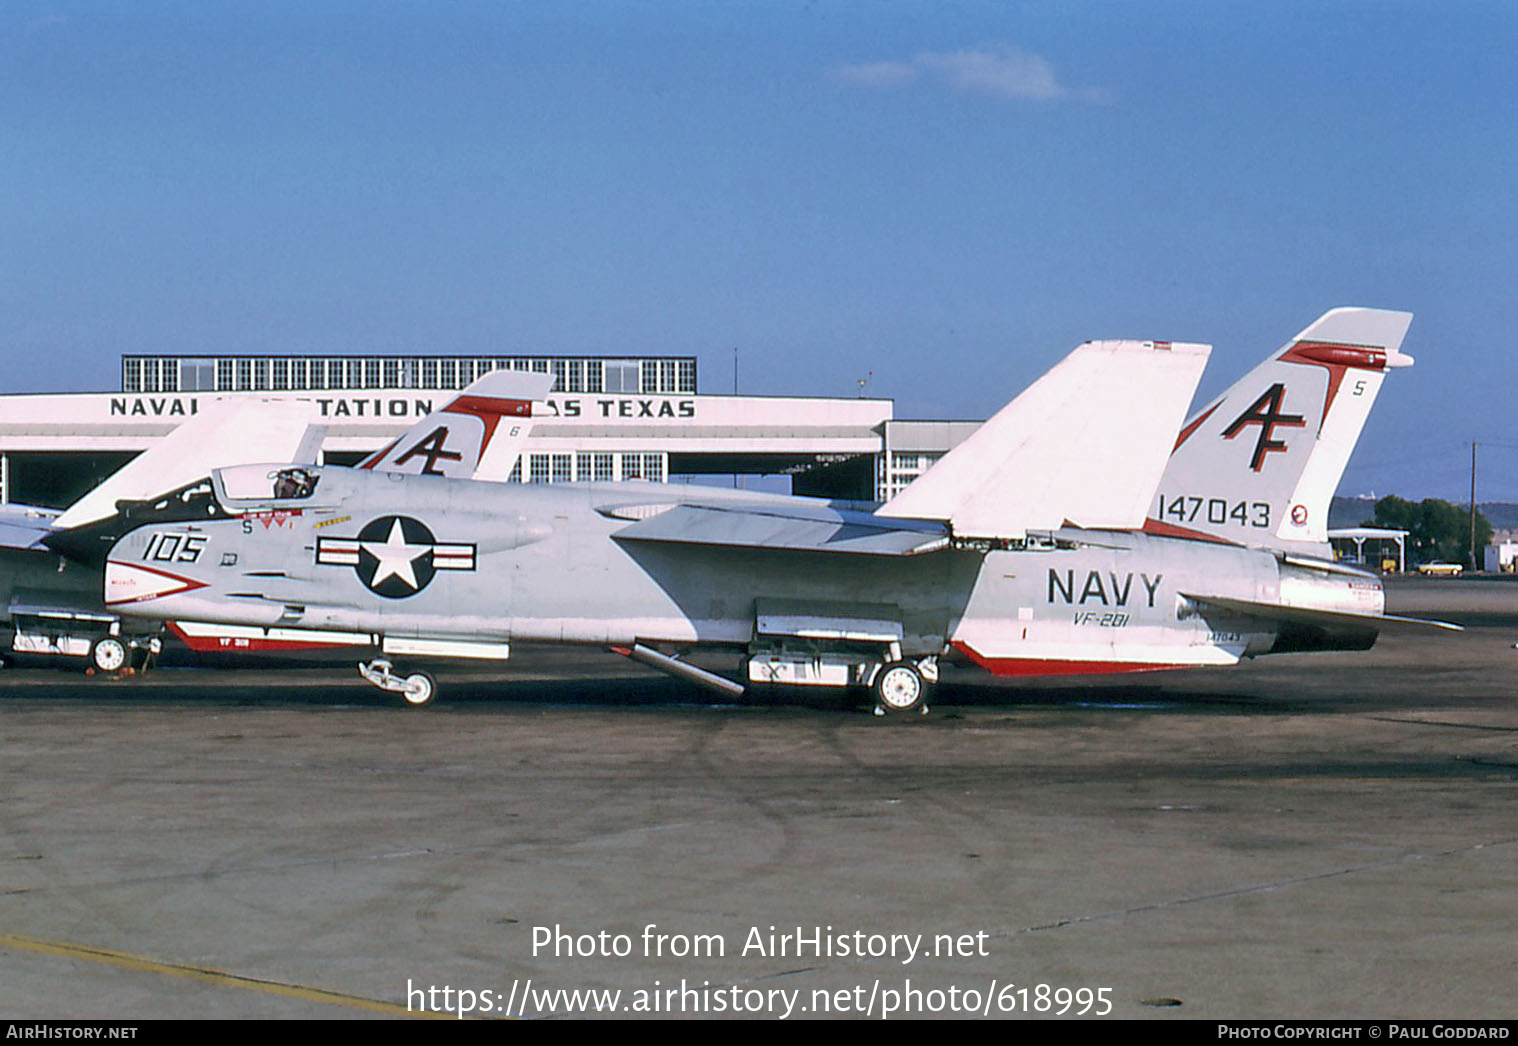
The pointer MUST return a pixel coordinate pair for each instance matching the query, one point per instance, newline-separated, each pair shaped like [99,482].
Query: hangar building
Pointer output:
[607,418]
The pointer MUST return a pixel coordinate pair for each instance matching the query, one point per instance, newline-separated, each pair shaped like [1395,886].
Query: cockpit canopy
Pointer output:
[267,483]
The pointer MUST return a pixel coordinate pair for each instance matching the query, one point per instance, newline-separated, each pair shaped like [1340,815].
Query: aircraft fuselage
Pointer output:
[425,558]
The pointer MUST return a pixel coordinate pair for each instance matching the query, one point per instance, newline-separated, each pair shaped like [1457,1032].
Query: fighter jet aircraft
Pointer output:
[51,562]
[1072,533]
[477,435]
[51,602]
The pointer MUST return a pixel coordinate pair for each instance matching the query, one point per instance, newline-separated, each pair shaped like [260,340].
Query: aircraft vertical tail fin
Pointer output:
[1084,444]
[1260,464]
[477,435]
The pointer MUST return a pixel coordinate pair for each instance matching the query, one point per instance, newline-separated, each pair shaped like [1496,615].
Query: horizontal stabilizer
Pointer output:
[825,530]
[1325,618]
[1084,444]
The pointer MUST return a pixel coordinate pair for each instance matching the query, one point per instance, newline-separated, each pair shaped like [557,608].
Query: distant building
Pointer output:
[607,418]
[1500,556]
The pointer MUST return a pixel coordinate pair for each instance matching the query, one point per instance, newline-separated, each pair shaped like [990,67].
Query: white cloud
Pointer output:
[1002,72]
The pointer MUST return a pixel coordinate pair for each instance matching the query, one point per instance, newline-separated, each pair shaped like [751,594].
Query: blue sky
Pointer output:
[947,196]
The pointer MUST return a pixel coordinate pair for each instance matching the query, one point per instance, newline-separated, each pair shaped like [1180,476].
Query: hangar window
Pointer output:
[371,374]
[223,375]
[516,472]
[131,375]
[687,376]
[244,375]
[429,374]
[593,376]
[297,374]
[563,468]
[261,374]
[169,375]
[281,374]
[537,468]
[450,376]
[392,375]
[621,375]
[334,374]
[574,375]
[650,377]
[666,375]
[197,375]
[149,375]
[317,370]
[653,468]
[605,468]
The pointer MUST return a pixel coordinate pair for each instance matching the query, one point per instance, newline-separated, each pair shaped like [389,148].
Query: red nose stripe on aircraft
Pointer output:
[134,583]
[1034,666]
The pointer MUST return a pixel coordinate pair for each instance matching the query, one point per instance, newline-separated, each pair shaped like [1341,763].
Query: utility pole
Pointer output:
[1473,505]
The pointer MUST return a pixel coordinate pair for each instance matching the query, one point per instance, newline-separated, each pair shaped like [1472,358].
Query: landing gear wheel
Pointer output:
[420,689]
[108,654]
[899,687]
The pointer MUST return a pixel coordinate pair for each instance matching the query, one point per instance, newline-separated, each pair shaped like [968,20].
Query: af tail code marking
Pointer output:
[1265,412]
[1336,359]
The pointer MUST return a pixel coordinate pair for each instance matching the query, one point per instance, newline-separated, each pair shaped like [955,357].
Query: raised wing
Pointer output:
[223,432]
[477,435]
[1085,445]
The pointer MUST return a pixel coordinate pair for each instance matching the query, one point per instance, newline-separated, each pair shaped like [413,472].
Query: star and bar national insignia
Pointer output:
[394,556]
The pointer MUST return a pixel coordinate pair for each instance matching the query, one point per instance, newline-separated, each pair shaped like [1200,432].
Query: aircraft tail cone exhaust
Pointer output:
[675,667]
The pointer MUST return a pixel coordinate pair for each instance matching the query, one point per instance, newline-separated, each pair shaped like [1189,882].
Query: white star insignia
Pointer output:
[395,556]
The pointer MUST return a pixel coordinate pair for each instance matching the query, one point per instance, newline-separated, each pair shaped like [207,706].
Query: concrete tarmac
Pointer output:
[1305,836]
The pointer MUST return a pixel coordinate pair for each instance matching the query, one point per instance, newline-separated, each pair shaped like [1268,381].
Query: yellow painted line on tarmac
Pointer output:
[208,975]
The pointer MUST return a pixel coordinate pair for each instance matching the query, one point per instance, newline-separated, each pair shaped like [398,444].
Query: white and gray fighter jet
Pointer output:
[1072,533]
[51,562]
[51,600]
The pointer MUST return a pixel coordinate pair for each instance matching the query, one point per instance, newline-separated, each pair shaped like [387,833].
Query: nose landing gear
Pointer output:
[416,689]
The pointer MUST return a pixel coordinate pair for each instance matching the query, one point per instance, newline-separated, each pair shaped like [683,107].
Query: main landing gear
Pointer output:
[111,655]
[416,689]
[899,687]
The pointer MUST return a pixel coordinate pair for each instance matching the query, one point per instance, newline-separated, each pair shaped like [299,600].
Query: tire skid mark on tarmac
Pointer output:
[1252,888]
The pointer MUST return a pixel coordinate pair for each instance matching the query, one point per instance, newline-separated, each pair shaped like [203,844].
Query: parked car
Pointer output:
[1440,569]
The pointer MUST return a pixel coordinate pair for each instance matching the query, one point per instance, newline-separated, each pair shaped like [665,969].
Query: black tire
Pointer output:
[899,687]
[108,654]
[421,689]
